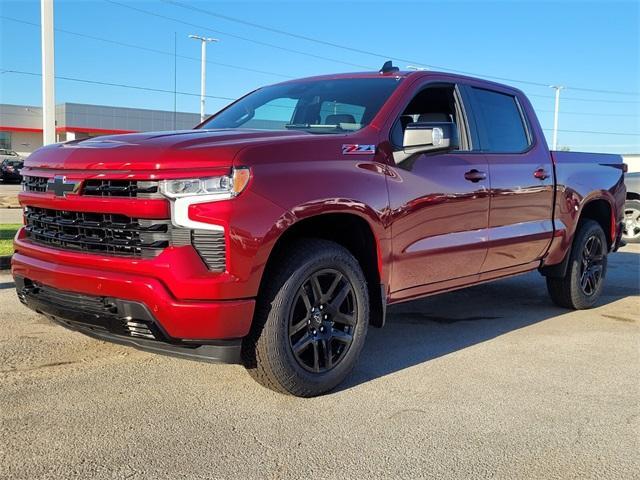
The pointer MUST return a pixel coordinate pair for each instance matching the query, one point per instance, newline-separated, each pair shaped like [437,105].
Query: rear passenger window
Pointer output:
[502,128]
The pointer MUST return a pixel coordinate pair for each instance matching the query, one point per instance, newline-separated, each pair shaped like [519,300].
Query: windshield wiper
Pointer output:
[308,126]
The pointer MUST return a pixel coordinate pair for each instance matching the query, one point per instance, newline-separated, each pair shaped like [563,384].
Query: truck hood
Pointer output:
[155,151]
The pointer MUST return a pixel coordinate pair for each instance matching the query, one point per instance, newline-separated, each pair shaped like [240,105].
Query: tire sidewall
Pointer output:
[333,257]
[579,298]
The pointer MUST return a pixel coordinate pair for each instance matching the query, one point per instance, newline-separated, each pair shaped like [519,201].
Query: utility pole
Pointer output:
[48,73]
[557,88]
[175,78]
[203,70]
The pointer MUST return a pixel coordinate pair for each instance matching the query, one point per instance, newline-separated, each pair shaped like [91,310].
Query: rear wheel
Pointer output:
[631,227]
[582,284]
[311,320]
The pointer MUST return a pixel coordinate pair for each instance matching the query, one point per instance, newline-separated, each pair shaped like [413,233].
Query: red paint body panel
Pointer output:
[581,178]
[439,220]
[180,319]
[521,219]
[434,231]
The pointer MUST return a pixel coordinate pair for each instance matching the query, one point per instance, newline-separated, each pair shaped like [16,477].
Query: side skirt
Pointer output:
[458,283]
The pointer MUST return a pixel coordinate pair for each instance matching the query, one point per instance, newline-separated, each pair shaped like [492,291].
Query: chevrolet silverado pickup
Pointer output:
[278,230]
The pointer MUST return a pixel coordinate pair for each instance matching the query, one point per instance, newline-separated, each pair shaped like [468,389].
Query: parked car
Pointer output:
[6,154]
[10,167]
[277,231]
[631,229]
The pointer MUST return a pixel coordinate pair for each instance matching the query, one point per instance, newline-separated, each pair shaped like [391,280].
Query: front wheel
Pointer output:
[582,284]
[311,320]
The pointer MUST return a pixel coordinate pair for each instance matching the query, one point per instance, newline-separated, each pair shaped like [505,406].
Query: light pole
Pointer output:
[48,74]
[203,70]
[554,143]
[419,69]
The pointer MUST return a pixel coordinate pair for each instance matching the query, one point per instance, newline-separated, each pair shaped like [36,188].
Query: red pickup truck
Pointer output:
[277,231]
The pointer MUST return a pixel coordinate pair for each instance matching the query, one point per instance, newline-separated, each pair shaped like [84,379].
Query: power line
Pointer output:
[370,53]
[593,114]
[594,100]
[121,85]
[594,132]
[147,49]
[160,90]
[600,145]
[239,37]
[161,52]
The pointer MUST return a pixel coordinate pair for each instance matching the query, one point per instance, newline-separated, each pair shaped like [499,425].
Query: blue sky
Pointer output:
[590,45]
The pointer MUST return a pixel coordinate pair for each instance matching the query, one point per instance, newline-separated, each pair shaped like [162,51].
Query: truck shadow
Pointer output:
[425,329]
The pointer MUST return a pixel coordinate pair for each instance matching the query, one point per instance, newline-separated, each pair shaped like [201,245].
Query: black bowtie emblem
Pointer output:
[60,186]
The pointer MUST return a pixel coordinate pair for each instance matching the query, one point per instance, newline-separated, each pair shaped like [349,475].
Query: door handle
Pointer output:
[541,174]
[475,175]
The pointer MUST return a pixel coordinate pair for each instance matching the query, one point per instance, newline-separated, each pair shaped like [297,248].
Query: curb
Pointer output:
[5,262]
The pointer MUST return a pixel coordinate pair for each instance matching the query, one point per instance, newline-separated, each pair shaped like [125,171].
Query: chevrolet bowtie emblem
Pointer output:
[60,186]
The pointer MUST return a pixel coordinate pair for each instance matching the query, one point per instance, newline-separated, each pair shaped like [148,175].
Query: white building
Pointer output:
[21,125]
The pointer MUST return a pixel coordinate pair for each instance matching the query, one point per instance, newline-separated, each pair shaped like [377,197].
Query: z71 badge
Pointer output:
[355,149]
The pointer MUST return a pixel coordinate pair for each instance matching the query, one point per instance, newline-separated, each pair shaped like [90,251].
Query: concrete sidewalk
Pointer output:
[9,198]
[10,215]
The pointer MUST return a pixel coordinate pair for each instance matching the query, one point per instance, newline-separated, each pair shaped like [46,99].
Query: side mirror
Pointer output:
[423,137]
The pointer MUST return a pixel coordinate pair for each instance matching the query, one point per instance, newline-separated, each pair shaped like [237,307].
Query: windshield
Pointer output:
[322,106]
[8,152]
[13,163]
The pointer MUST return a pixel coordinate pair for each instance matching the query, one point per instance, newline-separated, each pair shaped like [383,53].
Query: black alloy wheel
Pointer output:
[311,319]
[591,267]
[322,320]
[583,281]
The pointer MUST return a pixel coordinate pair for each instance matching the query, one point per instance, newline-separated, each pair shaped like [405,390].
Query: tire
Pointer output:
[631,229]
[582,284]
[328,340]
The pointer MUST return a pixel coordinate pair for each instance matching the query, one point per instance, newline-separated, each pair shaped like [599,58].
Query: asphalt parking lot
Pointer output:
[491,381]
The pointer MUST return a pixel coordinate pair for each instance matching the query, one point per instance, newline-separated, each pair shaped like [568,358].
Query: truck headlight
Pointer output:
[216,188]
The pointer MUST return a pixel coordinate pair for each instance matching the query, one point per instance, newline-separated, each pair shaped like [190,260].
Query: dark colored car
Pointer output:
[10,167]
[631,230]
[277,231]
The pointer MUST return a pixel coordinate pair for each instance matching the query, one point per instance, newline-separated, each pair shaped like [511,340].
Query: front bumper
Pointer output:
[190,320]
[119,321]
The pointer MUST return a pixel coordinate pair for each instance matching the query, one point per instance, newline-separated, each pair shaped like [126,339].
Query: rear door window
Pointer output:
[501,124]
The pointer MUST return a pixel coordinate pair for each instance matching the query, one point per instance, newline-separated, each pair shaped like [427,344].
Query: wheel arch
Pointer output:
[352,231]
[598,208]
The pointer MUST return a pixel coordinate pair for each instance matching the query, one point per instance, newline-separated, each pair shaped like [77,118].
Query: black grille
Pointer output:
[98,313]
[35,184]
[102,188]
[210,245]
[121,188]
[97,232]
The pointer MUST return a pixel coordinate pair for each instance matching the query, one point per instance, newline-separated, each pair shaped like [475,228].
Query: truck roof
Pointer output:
[403,74]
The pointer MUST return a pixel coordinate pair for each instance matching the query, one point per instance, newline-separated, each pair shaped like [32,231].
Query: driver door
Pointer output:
[439,204]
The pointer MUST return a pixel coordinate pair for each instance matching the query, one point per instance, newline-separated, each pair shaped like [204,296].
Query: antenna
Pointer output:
[388,67]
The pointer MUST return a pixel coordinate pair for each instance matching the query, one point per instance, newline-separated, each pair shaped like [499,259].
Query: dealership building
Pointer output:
[21,125]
